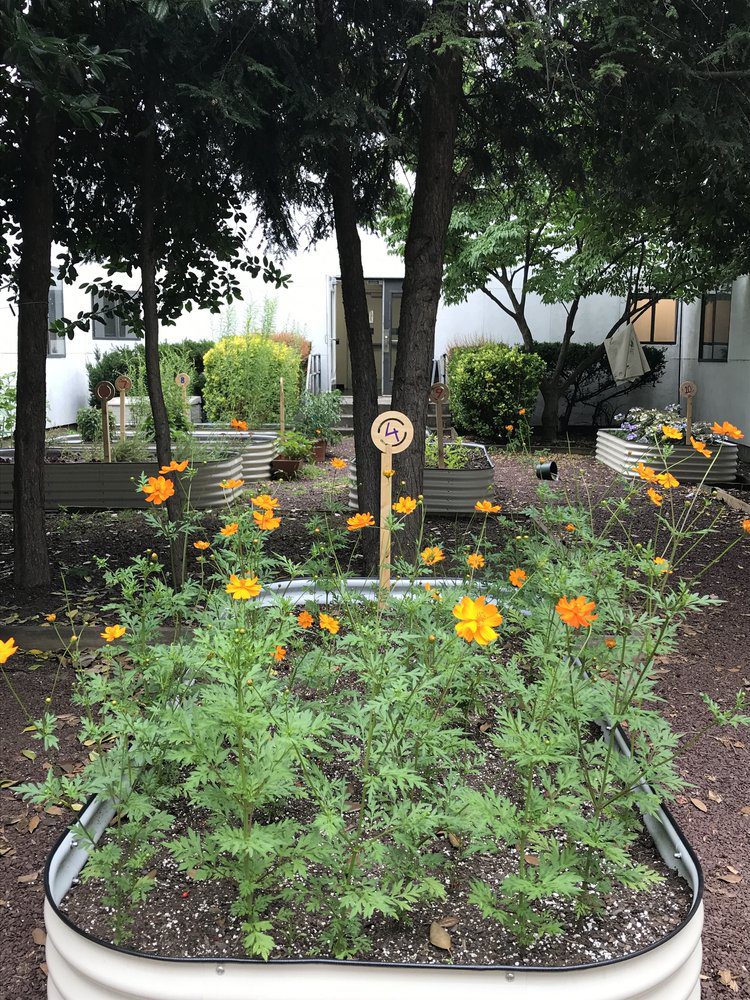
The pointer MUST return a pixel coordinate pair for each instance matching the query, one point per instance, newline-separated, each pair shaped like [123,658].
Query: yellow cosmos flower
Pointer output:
[487,507]
[477,620]
[231,484]
[432,555]
[389,473]
[671,432]
[405,505]
[305,619]
[279,653]
[51,618]
[174,467]
[158,490]
[646,473]
[265,520]
[329,623]
[667,481]
[700,447]
[112,632]
[338,463]
[517,577]
[8,648]
[656,498]
[662,563]
[577,612]
[727,430]
[238,425]
[475,560]
[358,521]
[229,529]
[265,501]
[201,545]
[242,588]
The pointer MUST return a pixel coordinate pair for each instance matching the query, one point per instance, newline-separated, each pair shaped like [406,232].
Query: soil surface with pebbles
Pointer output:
[714,657]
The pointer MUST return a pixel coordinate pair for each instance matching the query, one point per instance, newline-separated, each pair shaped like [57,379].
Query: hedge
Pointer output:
[242,379]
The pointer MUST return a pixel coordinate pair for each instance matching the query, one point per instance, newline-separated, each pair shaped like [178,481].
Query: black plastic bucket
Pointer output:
[547,470]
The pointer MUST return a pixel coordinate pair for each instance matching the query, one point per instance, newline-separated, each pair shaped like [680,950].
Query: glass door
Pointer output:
[391,322]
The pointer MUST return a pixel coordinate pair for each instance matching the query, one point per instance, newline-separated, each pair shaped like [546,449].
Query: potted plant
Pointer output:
[660,438]
[294,450]
[319,789]
[467,476]
[318,418]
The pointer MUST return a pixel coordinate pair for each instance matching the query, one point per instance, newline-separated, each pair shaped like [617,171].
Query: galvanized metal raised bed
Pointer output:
[684,462]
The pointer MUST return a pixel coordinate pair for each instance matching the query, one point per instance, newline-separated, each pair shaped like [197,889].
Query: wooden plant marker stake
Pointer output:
[281,409]
[123,385]
[439,396]
[183,380]
[105,391]
[688,390]
[391,432]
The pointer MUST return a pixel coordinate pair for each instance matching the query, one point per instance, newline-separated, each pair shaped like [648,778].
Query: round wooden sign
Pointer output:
[123,383]
[105,390]
[182,379]
[392,431]
[439,393]
[688,389]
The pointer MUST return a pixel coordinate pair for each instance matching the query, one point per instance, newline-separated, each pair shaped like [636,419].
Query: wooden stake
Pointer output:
[688,389]
[281,409]
[122,384]
[391,433]
[183,380]
[104,392]
[439,396]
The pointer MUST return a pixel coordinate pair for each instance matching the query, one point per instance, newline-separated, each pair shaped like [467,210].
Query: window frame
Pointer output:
[55,311]
[652,310]
[99,329]
[719,294]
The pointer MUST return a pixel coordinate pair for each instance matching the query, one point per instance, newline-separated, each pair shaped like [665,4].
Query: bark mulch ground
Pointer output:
[713,658]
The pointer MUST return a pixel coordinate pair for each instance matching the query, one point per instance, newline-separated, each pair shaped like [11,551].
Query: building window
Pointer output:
[55,343]
[714,340]
[109,326]
[658,323]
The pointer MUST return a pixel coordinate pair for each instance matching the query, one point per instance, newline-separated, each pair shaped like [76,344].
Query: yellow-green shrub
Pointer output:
[242,378]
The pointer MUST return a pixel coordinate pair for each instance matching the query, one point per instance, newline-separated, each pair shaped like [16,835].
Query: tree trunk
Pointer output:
[31,561]
[424,255]
[550,390]
[147,261]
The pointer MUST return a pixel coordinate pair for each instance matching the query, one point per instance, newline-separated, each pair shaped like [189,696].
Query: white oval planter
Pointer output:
[684,461]
[82,967]
[446,491]
[134,403]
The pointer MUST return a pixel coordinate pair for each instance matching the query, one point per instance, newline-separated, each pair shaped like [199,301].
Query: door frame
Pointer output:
[392,287]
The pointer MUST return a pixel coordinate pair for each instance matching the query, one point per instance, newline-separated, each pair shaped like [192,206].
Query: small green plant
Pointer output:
[89,423]
[295,446]
[455,454]
[242,379]
[7,405]
[319,415]
[132,449]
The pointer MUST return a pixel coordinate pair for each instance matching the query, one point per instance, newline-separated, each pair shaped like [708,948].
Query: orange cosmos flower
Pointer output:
[656,498]
[475,560]
[265,520]
[112,632]
[231,484]
[700,447]
[433,593]
[578,612]
[746,525]
[405,505]
[338,463]
[158,489]
[477,620]
[610,643]
[727,430]
[487,507]
[174,467]
[662,563]
[329,623]
[389,473]
[265,501]
[229,529]
[570,527]
[671,432]
[8,648]
[517,577]
[358,521]
[304,619]
[646,473]
[51,618]
[432,555]
[522,412]
[509,427]
[667,481]
[201,545]
[242,588]
[279,653]
[239,425]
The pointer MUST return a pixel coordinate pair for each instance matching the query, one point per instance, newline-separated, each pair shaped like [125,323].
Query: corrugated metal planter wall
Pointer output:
[81,967]
[445,491]
[685,462]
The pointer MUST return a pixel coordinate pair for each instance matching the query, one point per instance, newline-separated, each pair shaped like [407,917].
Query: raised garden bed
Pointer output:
[82,965]
[448,491]
[684,461]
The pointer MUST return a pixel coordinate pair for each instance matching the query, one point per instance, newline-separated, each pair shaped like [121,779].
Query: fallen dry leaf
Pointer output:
[731,878]
[454,840]
[38,935]
[531,859]
[726,978]
[33,823]
[439,936]
[745,811]
[448,922]
[699,804]
[26,879]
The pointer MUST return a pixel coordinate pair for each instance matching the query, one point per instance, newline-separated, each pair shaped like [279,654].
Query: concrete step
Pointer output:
[384,403]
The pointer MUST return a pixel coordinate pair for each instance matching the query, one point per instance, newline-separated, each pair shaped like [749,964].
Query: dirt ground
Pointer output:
[713,657]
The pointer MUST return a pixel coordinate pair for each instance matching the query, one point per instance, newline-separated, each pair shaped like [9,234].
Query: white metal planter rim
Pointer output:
[683,942]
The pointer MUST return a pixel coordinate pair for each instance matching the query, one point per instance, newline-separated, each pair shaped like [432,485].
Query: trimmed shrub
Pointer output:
[89,423]
[489,384]
[242,379]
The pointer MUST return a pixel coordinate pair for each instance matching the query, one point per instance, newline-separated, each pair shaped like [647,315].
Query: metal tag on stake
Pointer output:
[688,390]
[391,432]
[105,391]
[439,396]
[123,384]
